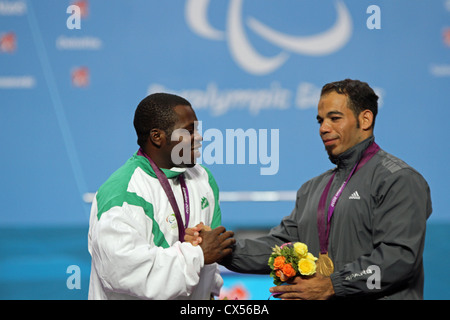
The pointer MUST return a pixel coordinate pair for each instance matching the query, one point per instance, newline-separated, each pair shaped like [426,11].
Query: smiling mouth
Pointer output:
[329,142]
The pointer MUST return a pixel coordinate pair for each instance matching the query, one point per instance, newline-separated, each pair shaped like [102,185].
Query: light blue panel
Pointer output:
[68,96]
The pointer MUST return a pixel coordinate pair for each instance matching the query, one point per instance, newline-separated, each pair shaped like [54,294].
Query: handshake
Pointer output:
[216,243]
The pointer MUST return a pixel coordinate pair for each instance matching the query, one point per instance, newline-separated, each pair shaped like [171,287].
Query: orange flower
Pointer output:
[288,270]
[281,275]
[279,262]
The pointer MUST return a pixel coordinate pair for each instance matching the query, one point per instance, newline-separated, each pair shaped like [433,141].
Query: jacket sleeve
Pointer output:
[252,255]
[401,207]
[127,263]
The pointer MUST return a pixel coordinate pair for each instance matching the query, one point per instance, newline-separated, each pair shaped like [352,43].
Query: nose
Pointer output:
[324,128]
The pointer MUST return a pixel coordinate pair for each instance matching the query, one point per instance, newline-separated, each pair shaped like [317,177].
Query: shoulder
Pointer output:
[398,185]
[115,190]
[390,170]
[388,165]
[391,163]
[119,180]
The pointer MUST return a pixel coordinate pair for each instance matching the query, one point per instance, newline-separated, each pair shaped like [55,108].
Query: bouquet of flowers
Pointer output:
[290,260]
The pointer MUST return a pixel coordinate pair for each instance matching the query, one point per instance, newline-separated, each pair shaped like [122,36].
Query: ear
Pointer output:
[366,119]
[157,137]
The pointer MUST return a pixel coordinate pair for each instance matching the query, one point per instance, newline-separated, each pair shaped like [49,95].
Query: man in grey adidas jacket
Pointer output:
[377,230]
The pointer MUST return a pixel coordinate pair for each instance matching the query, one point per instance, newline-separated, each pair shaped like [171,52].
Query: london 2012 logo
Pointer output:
[241,49]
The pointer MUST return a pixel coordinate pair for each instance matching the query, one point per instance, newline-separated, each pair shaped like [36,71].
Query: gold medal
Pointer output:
[324,265]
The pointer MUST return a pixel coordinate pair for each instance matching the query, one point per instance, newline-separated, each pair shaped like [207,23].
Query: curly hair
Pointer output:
[156,112]
[360,95]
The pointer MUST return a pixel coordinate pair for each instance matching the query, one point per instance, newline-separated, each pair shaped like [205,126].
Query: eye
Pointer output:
[335,118]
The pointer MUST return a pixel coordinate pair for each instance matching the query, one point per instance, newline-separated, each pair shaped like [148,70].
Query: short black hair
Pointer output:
[360,95]
[156,112]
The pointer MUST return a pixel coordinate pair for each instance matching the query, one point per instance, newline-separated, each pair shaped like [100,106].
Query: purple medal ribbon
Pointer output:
[324,232]
[168,190]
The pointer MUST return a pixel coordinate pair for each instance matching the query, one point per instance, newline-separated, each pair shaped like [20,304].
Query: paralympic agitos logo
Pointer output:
[246,56]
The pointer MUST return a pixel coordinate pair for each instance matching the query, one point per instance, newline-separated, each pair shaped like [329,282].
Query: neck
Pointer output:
[348,158]
[157,158]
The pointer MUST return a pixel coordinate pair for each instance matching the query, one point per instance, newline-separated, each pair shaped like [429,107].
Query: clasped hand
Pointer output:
[216,243]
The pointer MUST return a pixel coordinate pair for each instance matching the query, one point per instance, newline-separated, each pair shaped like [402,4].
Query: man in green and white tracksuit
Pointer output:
[133,234]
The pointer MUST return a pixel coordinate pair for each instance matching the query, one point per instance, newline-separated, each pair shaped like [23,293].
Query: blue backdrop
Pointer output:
[68,95]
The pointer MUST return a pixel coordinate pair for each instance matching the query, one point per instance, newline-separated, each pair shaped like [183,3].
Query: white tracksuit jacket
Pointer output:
[133,236]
